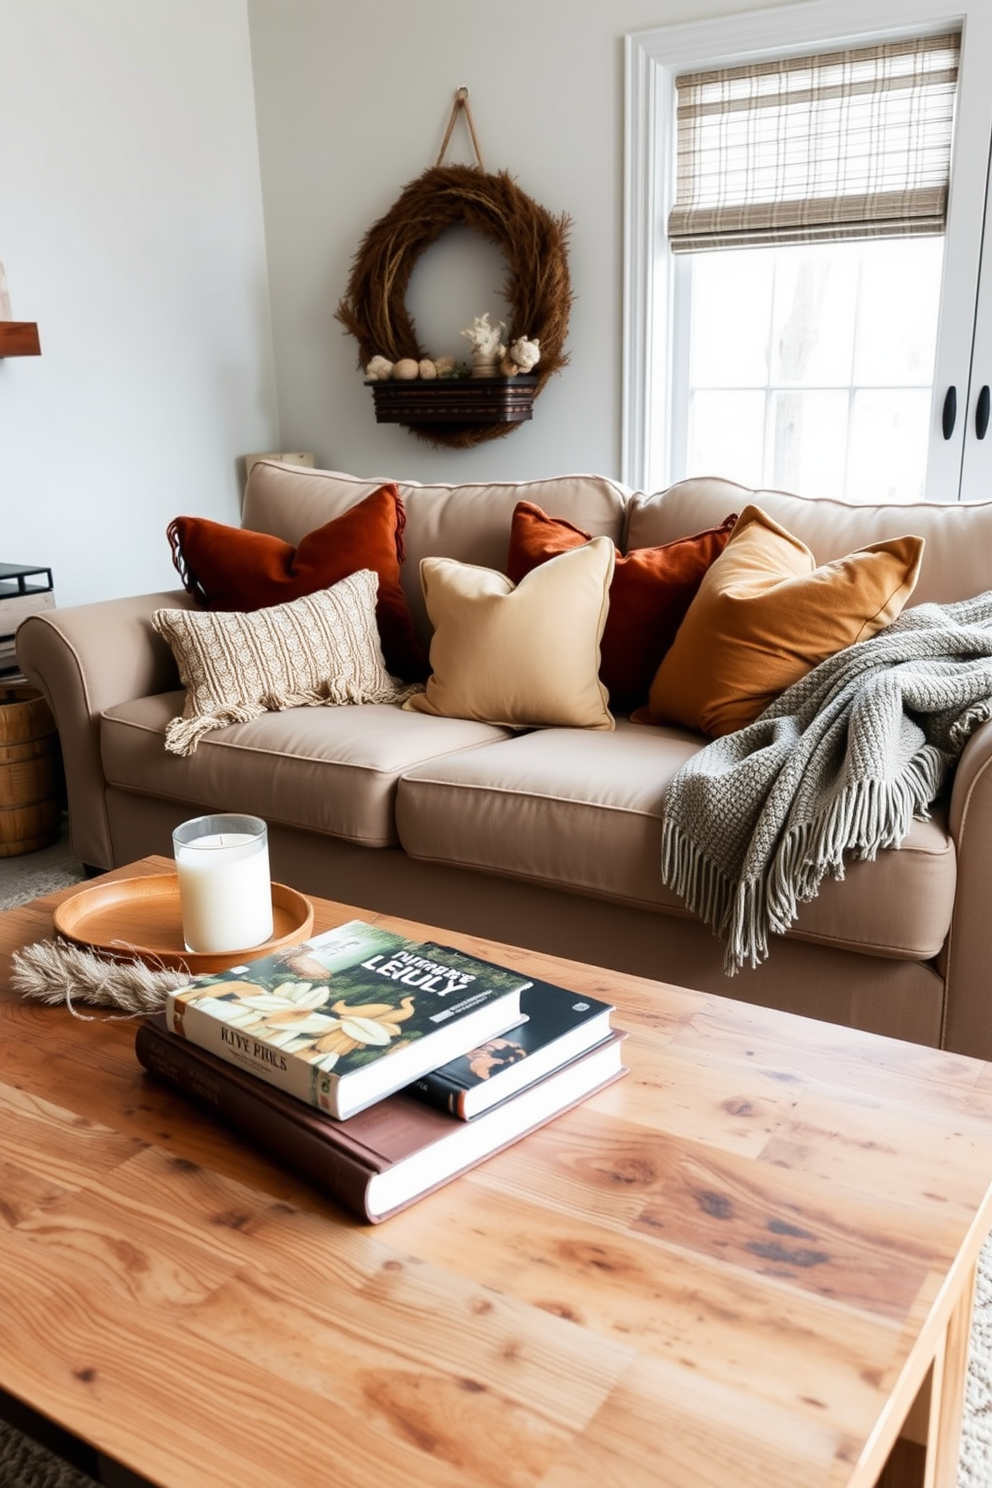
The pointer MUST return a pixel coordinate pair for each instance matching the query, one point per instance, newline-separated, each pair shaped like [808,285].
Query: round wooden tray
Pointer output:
[139,919]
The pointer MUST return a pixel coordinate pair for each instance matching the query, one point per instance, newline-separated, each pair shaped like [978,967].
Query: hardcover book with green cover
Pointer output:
[560,1024]
[350,1016]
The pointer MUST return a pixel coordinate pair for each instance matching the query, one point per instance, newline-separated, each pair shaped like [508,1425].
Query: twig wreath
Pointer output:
[537,288]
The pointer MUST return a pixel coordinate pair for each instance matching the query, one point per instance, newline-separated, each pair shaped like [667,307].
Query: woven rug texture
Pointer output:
[24,1463]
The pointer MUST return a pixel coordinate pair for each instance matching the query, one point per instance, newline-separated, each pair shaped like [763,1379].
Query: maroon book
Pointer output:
[387,1156]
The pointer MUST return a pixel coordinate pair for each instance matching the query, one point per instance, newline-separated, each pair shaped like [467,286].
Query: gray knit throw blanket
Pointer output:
[840,764]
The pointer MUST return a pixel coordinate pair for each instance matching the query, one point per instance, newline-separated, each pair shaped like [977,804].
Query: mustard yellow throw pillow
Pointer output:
[765,615]
[526,655]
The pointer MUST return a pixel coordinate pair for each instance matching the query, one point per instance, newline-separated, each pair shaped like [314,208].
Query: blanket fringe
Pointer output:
[860,822]
[697,880]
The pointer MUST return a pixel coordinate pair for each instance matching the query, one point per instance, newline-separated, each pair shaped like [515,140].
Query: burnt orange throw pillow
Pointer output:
[230,568]
[765,615]
[651,591]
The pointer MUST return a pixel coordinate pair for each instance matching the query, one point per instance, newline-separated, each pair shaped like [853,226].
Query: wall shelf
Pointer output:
[457,400]
[19,338]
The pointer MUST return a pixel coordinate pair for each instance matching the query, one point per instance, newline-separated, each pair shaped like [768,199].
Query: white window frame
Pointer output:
[652,61]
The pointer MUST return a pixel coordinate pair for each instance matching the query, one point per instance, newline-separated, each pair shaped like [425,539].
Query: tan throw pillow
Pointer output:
[526,655]
[320,649]
[765,615]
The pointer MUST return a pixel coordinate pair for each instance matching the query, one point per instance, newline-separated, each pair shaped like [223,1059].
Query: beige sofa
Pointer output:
[551,838]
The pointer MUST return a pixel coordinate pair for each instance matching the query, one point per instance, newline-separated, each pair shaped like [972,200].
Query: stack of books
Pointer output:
[23,591]
[380,1067]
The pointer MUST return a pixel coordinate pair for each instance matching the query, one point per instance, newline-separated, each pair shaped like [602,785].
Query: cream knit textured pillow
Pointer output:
[526,655]
[318,650]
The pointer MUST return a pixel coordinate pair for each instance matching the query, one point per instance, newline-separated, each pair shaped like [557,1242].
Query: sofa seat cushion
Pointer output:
[582,811]
[331,770]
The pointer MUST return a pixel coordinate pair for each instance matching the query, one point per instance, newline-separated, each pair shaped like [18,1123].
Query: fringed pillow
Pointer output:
[322,649]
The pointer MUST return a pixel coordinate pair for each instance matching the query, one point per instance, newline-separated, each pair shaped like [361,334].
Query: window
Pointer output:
[789,303]
[810,367]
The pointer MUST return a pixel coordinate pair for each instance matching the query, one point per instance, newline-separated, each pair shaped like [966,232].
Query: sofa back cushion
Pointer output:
[957,558]
[468,522]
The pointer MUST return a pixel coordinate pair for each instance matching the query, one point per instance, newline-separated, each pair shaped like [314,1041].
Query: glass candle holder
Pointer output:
[225,891]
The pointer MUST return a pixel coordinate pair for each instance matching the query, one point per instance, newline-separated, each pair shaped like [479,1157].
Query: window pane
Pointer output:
[889,438]
[726,436]
[897,335]
[731,314]
[816,296]
[810,367]
[808,443]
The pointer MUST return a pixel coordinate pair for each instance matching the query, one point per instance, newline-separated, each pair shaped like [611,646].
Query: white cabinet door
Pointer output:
[961,465]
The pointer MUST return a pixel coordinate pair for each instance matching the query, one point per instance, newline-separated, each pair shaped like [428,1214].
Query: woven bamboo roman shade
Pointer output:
[848,144]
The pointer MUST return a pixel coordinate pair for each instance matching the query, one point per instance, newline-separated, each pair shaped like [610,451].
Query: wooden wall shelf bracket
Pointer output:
[19,338]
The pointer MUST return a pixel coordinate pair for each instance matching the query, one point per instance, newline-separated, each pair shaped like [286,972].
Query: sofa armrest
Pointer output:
[84,659]
[968,953]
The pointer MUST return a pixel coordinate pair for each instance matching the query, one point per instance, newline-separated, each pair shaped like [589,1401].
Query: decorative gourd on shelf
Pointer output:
[510,364]
[522,356]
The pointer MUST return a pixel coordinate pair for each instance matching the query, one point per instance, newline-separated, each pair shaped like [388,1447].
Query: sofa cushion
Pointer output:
[321,649]
[229,568]
[765,615]
[525,654]
[582,811]
[330,770]
[470,521]
[958,535]
[651,591]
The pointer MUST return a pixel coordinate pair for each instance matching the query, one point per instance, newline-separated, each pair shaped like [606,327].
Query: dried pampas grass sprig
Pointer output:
[54,971]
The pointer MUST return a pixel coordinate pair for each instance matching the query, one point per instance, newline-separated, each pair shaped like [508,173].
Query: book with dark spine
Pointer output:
[560,1024]
[349,1016]
[387,1156]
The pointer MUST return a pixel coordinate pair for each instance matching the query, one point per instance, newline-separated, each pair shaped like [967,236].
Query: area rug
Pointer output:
[56,868]
[24,1463]
[33,874]
[975,1463]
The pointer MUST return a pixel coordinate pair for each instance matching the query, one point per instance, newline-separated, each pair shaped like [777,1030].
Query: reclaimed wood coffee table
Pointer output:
[750,1262]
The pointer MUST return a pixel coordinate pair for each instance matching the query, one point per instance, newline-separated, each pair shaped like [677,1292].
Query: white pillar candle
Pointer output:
[225,891]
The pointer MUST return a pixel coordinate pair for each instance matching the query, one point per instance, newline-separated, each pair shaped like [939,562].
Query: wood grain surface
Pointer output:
[741,1265]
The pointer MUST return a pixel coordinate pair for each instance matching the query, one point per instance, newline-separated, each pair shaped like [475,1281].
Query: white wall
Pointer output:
[352,102]
[131,231]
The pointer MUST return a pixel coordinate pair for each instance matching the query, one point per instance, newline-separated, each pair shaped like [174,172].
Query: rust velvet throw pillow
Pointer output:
[651,591]
[231,568]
